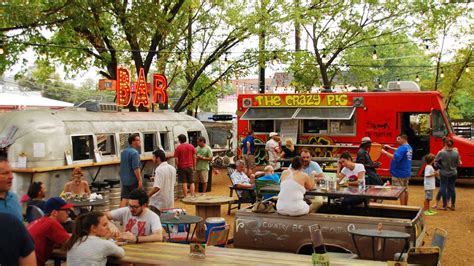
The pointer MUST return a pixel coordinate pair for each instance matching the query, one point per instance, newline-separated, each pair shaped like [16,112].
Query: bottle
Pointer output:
[318,241]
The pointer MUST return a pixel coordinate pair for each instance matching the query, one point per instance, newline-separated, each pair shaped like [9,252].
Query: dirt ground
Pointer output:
[459,249]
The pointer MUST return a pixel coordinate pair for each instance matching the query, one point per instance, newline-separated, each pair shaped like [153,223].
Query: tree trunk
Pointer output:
[261,48]
[297,28]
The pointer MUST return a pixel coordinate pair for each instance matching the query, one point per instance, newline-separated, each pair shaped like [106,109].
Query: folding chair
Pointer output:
[426,256]
[263,183]
[218,236]
[439,239]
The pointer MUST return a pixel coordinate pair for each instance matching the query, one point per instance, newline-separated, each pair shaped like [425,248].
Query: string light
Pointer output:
[398,80]
[225,57]
[1,50]
[467,69]
[374,54]
[417,79]
[442,74]
[275,58]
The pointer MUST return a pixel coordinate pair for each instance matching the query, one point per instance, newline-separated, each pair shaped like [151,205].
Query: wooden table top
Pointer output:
[178,254]
[207,200]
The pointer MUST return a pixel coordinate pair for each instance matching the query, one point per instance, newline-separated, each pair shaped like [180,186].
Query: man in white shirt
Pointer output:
[162,194]
[241,180]
[140,223]
[274,150]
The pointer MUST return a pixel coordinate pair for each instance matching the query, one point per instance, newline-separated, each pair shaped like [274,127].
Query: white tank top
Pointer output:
[291,198]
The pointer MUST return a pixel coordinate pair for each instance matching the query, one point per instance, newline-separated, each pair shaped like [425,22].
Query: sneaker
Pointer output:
[433,212]
[428,213]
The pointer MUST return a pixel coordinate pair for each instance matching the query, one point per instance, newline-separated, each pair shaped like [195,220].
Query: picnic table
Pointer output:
[366,193]
[178,254]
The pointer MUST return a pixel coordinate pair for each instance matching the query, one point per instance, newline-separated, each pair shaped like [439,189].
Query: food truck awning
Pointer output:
[336,113]
[269,114]
[319,113]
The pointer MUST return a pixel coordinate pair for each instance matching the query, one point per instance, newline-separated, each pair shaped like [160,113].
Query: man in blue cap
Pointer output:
[47,232]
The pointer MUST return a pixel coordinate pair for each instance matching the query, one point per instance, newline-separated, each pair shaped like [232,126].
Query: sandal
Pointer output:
[452,208]
[442,208]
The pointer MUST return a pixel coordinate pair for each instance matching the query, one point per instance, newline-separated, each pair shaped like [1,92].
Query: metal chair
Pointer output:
[218,236]
[439,239]
[33,213]
[423,255]
[263,183]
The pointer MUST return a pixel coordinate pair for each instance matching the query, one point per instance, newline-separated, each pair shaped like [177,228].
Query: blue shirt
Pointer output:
[250,139]
[273,177]
[400,166]
[11,205]
[312,166]
[129,161]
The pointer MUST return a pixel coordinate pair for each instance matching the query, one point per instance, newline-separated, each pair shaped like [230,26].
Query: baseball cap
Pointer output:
[56,203]
[366,140]
[272,134]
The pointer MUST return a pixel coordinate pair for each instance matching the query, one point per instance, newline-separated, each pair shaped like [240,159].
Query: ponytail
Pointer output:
[82,227]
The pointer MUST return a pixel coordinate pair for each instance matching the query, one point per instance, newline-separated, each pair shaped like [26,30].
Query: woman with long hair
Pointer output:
[86,245]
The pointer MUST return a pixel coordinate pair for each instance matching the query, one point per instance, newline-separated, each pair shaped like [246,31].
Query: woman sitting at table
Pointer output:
[87,245]
[351,173]
[293,185]
[77,185]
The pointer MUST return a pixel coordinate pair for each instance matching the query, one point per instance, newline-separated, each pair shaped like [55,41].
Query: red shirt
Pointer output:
[185,153]
[47,233]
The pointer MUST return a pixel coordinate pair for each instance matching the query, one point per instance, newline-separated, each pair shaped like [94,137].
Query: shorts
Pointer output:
[249,160]
[202,176]
[429,194]
[125,193]
[185,175]
[403,182]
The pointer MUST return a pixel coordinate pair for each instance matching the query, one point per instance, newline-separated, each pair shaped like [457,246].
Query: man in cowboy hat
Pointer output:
[363,157]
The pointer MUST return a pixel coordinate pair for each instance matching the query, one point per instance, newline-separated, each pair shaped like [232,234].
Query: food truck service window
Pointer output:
[149,142]
[106,144]
[165,141]
[262,126]
[82,147]
[327,120]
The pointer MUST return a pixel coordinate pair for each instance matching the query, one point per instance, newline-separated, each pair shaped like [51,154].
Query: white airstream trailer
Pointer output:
[53,142]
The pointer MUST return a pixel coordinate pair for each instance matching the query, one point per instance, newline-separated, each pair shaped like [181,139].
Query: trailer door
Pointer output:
[438,130]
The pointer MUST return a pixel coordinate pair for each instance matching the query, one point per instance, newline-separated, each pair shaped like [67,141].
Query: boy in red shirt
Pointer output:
[47,232]
[185,156]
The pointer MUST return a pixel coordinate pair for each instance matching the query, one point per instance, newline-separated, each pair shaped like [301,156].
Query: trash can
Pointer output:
[212,222]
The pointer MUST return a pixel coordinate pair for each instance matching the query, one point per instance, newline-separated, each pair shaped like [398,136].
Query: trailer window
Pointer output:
[149,142]
[262,126]
[106,144]
[193,137]
[315,126]
[438,125]
[82,147]
[165,141]
[123,140]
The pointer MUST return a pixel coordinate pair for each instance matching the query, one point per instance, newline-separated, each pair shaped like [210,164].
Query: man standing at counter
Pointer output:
[400,165]
[130,173]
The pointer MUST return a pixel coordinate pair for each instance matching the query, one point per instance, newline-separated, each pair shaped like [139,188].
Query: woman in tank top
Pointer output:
[293,186]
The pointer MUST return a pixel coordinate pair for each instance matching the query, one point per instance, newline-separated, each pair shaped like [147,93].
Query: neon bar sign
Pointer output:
[124,90]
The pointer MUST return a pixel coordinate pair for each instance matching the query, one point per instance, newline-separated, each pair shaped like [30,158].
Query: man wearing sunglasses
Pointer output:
[140,223]
[47,232]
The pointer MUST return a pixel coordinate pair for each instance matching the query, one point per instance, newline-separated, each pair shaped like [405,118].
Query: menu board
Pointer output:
[289,129]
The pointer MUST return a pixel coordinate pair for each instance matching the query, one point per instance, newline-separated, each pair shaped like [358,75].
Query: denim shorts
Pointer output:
[429,194]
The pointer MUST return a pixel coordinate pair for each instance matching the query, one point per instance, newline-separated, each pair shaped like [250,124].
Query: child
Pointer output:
[429,183]
[86,247]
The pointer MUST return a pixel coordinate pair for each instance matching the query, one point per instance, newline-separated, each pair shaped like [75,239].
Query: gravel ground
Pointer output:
[459,249]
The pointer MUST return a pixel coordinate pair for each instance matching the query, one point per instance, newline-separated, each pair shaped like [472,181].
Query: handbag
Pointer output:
[263,207]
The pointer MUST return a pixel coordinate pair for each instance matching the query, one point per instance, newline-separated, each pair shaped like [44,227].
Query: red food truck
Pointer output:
[330,123]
